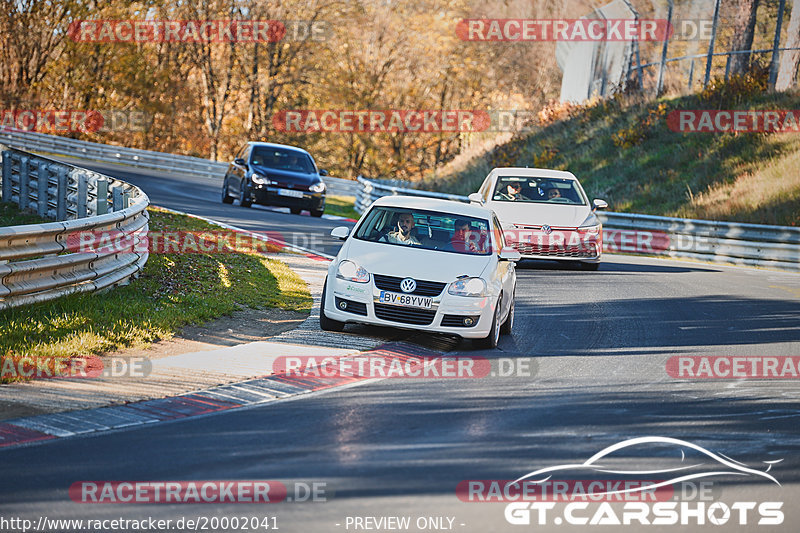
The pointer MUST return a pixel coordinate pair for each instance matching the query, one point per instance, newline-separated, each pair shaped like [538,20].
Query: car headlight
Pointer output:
[468,287]
[590,230]
[318,187]
[350,271]
[258,179]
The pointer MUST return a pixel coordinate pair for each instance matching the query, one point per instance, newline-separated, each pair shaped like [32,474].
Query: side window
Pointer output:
[500,239]
[246,153]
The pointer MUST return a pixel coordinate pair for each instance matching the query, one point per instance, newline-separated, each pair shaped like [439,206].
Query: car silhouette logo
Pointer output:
[547,229]
[408,285]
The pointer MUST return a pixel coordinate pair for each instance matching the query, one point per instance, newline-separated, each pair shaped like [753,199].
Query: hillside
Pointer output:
[622,150]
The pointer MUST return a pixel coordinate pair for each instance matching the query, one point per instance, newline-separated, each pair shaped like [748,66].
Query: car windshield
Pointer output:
[538,190]
[282,159]
[430,230]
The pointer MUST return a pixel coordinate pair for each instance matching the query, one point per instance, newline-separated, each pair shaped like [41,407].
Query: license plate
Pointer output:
[405,300]
[289,192]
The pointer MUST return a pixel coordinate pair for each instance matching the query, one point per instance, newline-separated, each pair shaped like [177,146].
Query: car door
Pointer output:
[238,172]
[506,270]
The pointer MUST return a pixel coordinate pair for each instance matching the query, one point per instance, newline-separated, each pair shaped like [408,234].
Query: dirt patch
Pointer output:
[243,326]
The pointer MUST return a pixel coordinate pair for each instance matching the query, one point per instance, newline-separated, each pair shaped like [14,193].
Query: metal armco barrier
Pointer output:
[723,242]
[36,263]
[178,164]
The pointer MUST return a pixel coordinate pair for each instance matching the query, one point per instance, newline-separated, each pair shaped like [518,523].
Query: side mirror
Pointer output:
[340,232]
[323,172]
[239,161]
[475,198]
[509,254]
[599,204]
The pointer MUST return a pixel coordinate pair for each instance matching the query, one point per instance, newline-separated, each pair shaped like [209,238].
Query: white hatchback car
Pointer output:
[426,264]
[545,214]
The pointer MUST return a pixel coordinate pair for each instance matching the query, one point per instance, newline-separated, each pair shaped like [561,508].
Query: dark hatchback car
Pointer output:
[275,174]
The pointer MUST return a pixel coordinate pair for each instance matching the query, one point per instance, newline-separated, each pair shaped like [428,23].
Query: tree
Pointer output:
[790,59]
[744,28]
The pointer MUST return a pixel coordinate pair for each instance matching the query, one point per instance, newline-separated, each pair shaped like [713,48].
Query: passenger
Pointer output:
[553,193]
[403,234]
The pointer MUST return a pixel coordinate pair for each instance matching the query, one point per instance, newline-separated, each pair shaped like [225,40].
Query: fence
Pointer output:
[725,242]
[134,157]
[35,261]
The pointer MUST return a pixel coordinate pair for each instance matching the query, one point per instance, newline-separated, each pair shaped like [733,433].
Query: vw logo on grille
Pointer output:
[547,229]
[408,285]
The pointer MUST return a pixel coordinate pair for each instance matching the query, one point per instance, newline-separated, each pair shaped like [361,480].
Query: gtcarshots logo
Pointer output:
[544,496]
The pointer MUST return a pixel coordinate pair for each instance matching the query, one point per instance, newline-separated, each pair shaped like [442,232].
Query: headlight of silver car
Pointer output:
[258,179]
[350,271]
[468,287]
[318,187]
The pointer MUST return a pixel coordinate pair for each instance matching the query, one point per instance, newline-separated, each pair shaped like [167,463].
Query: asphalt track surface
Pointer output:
[597,346]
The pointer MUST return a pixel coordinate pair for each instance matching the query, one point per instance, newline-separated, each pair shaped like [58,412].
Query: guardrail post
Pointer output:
[6,176]
[101,203]
[116,198]
[61,194]
[42,181]
[126,199]
[83,196]
[23,182]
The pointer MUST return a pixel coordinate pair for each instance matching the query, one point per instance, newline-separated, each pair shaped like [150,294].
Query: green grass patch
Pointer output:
[174,290]
[11,215]
[623,151]
[341,206]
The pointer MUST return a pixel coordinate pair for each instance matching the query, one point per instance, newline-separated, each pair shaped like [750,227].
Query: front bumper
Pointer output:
[446,310]
[566,244]
[268,195]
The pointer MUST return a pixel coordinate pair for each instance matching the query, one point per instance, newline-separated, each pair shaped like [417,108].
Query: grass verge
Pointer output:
[174,290]
[341,206]
[623,150]
[10,215]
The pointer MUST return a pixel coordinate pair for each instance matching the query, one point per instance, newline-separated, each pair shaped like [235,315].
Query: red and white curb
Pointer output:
[36,429]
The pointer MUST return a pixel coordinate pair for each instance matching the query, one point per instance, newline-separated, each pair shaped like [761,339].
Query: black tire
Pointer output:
[493,338]
[590,266]
[326,323]
[226,198]
[244,196]
[295,210]
[505,329]
[317,214]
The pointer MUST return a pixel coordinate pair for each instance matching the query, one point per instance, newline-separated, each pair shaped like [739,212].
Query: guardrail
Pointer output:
[134,157]
[724,242]
[37,262]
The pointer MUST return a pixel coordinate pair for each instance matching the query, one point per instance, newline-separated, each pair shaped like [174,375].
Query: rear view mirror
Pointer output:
[599,204]
[475,198]
[323,172]
[340,232]
[239,161]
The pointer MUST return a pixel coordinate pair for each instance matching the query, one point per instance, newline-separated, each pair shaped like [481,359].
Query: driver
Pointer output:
[403,234]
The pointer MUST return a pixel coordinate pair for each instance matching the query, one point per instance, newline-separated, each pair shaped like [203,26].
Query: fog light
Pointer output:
[468,321]
[342,304]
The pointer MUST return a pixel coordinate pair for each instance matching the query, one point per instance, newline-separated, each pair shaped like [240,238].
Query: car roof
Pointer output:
[435,204]
[276,145]
[533,172]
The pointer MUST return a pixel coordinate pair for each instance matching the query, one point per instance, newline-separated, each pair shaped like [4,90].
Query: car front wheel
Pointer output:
[493,337]
[505,329]
[327,324]
[244,196]
[226,198]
